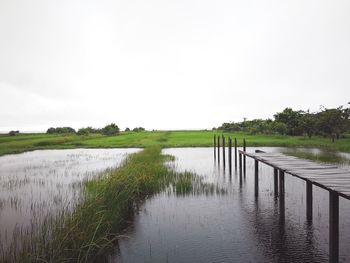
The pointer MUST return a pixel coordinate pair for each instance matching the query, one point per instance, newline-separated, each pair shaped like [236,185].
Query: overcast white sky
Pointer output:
[180,64]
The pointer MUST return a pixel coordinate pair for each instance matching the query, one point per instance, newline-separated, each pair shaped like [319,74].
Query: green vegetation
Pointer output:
[87,233]
[319,156]
[28,142]
[331,123]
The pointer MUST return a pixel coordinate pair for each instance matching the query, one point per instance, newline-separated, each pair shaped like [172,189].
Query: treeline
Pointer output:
[110,129]
[334,123]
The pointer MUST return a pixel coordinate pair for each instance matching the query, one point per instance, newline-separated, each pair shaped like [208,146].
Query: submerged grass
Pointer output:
[321,156]
[109,202]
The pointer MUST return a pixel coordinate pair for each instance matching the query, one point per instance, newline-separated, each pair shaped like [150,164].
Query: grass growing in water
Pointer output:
[320,156]
[87,233]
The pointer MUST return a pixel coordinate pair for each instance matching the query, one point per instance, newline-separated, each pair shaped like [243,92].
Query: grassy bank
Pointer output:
[21,143]
[109,202]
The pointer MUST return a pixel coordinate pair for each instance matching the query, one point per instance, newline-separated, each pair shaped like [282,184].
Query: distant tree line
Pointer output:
[13,133]
[110,129]
[333,123]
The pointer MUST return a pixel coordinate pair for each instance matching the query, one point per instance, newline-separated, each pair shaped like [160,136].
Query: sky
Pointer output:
[159,64]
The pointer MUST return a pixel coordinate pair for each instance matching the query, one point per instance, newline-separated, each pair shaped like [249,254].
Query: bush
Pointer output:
[138,129]
[111,129]
[83,131]
[60,130]
[13,133]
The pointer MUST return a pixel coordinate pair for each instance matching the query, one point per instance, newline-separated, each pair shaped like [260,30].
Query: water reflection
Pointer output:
[236,227]
[40,183]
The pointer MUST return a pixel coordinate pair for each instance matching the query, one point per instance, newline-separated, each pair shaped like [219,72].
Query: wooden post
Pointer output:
[256,173]
[235,153]
[244,158]
[240,167]
[218,149]
[275,182]
[230,155]
[308,201]
[223,151]
[281,186]
[333,227]
[214,147]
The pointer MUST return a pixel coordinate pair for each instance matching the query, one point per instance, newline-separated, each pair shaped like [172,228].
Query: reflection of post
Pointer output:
[223,151]
[281,182]
[244,158]
[218,149]
[230,154]
[333,226]
[236,153]
[214,147]
[275,181]
[240,168]
[256,166]
[308,201]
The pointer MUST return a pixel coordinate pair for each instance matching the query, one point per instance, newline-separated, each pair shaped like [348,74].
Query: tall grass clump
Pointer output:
[87,233]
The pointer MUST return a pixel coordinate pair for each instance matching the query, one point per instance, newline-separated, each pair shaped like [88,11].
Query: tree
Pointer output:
[111,129]
[60,130]
[308,123]
[138,129]
[292,119]
[279,127]
[333,122]
[83,131]
[51,130]
[13,133]
[127,129]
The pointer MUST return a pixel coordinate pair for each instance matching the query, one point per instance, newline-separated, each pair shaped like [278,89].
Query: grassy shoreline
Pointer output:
[109,202]
[165,139]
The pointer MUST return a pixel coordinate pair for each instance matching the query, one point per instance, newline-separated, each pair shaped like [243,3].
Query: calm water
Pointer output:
[234,227]
[40,183]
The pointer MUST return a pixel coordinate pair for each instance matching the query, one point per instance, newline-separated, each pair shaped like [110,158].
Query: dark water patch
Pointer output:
[236,226]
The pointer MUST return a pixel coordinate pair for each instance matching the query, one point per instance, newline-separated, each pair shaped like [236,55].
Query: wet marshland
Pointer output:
[229,225]
[234,227]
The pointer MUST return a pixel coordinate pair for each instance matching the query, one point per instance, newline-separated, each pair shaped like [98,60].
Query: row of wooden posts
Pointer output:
[231,144]
[279,188]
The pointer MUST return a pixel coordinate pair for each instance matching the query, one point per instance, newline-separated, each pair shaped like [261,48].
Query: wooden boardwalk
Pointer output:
[329,177]
[334,179]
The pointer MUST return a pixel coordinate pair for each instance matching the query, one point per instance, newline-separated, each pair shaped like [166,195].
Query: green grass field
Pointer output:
[28,142]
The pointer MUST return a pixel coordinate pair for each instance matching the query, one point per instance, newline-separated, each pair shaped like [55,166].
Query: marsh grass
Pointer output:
[320,156]
[91,229]
[28,142]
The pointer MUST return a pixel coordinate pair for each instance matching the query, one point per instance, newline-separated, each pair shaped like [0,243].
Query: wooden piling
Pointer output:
[218,149]
[333,227]
[240,167]
[281,196]
[244,158]
[236,153]
[275,181]
[223,151]
[308,201]
[256,173]
[214,147]
[230,155]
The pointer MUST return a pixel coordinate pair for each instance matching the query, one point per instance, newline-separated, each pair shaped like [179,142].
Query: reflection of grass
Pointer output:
[87,233]
[326,157]
[23,142]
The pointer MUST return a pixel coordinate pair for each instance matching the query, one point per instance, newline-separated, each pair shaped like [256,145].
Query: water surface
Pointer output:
[234,227]
[36,184]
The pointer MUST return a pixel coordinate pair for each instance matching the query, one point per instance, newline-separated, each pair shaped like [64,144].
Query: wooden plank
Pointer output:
[327,176]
